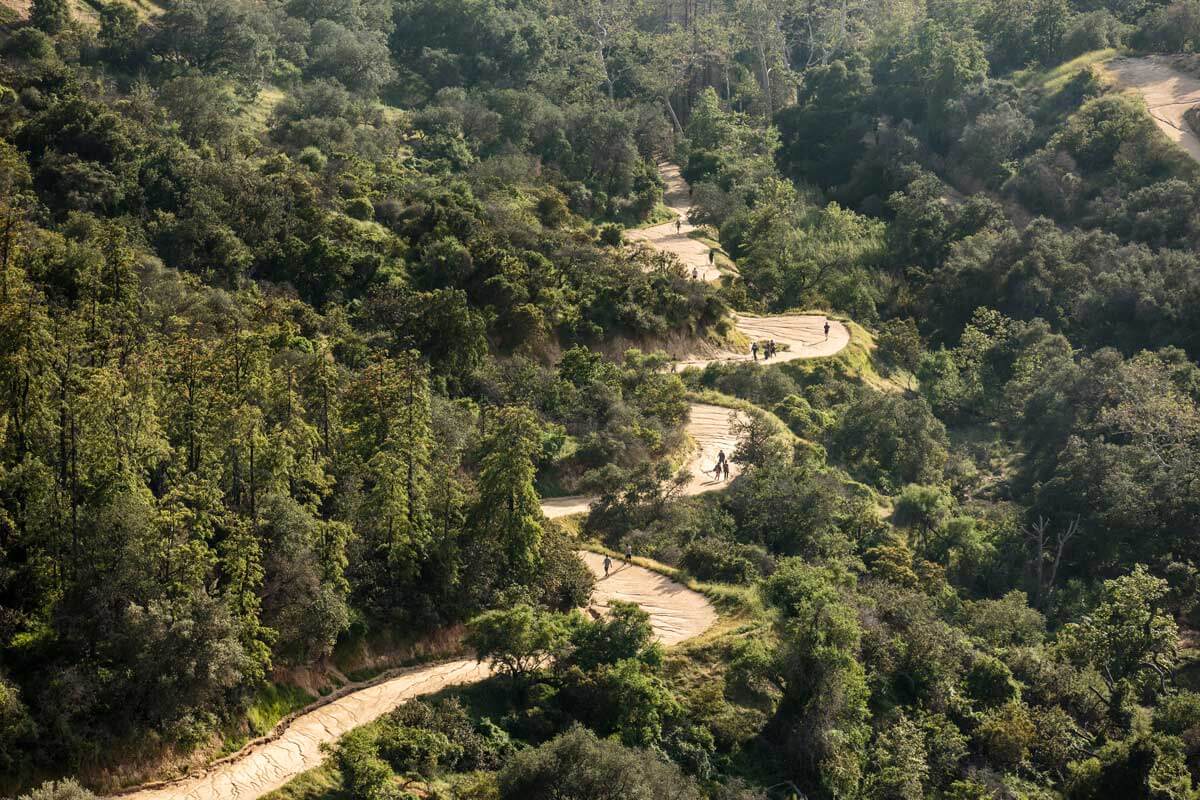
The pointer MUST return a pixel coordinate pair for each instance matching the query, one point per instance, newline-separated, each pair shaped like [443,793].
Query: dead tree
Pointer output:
[1044,550]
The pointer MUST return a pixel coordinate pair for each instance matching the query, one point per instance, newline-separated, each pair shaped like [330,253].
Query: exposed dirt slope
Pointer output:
[1168,93]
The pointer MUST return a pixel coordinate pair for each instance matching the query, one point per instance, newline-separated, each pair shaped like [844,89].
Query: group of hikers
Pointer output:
[628,559]
[712,251]
[768,349]
[722,467]
[711,255]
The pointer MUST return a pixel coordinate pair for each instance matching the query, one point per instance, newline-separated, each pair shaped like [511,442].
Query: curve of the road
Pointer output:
[676,612]
[676,238]
[1168,93]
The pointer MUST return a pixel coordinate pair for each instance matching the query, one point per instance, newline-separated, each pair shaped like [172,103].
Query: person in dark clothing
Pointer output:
[726,468]
[826,329]
[628,554]
[678,224]
[712,254]
[607,565]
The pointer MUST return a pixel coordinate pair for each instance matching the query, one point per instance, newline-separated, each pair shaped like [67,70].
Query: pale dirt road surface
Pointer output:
[268,766]
[671,239]
[1168,93]
[801,336]
[710,428]
[676,613]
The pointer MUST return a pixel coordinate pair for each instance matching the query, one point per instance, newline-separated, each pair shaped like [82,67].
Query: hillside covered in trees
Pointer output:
[306,305]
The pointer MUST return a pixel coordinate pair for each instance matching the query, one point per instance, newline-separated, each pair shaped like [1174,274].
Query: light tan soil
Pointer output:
[709,427]
[676,613]
[677,239]
[1168,93]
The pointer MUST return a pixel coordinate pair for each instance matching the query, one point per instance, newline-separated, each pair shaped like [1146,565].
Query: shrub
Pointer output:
[578,766]
[610,235]
[68,789]
[360,208]
[713,559]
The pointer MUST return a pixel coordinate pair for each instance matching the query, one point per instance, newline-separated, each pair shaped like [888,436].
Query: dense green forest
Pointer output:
[304,304]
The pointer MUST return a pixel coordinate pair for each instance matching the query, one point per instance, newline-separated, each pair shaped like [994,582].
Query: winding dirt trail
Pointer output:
[676,239]
[802,336]
[676,612]
[710,428]
[1168,93]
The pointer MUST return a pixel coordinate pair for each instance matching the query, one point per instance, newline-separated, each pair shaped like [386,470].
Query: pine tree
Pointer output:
[508,510]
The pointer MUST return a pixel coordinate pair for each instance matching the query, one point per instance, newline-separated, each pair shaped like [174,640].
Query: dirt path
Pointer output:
[1168,93]
[709,427]
[800,336]
[676,613]
[692,252]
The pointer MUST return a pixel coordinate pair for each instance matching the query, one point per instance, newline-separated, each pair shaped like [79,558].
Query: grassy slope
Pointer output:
[1055,78]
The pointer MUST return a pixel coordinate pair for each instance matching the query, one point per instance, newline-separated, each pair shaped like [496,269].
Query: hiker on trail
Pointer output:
[771,346]
[678,224]
[695,274]
[628,554]
[726,465]
[754,350]
[717,472]
[721,457]
[607,565]
[712,253]
[826,328]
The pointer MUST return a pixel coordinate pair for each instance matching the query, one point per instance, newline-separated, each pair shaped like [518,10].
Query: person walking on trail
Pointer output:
[678,224]
[827,328]
[726,467]
[754,350]
[712,254]
[628,554]
[607,565]
[695,274]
